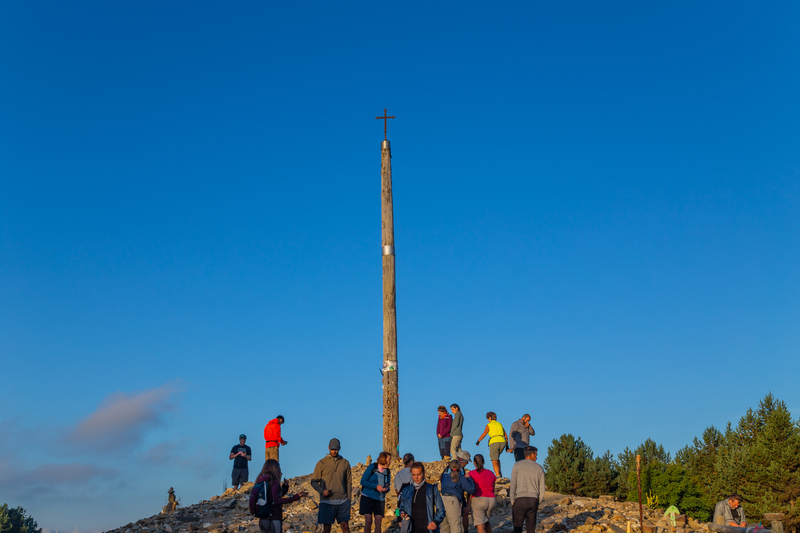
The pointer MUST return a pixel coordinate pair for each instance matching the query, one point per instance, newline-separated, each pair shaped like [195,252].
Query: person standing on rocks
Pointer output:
[483,501]
[456,430]
[498,439]
[374,486]
[463,460]
[403,478]
[527,488]
[333,481]
[521,433]
[271,472]
[731,511]
[454,484]
[421,503]
[240,454]
[272,434]
[443,425]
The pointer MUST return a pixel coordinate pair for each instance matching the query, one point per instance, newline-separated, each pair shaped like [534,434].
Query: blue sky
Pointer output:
[596,214]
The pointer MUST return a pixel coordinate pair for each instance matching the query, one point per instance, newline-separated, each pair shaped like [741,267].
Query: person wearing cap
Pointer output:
[521,432]
[333,481]
[463,459]
[240,454]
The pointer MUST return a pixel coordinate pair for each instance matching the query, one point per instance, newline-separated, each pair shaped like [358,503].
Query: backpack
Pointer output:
[261,500]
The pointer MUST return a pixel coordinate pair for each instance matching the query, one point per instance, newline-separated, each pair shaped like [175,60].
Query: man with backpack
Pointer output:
[240,454]
[333,481]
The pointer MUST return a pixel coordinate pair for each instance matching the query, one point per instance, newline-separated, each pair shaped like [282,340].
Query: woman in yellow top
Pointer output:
[498,439]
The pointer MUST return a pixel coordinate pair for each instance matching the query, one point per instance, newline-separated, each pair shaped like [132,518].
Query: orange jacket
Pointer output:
[272,433]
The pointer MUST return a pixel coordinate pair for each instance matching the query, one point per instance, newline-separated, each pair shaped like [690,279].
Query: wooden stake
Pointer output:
[391,408]
[639,481]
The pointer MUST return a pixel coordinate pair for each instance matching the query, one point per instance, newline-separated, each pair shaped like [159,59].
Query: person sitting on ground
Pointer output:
[498,439]
[375,485]
[483,501]
[731,511]
[271,472]
[454,485]
[240,454]
[421,502]
[443,425]
[403,478]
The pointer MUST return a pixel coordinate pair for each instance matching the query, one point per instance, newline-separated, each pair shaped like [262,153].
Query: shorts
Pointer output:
[495,449]
[482,508]
[329,512]
[239,476]
[369,505]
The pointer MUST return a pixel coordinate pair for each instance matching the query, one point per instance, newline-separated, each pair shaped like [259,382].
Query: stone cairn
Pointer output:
[230,512]
[172,504]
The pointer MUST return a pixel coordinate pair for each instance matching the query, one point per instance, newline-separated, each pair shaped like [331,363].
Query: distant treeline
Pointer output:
[758,458]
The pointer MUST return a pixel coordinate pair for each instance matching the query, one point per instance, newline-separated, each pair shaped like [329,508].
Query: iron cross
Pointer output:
[384,118]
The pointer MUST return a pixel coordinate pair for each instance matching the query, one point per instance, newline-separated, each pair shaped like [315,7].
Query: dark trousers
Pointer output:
[519,453]
[444,446]
[524,511]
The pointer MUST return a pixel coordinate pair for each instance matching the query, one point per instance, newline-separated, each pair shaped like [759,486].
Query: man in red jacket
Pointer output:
[272,434]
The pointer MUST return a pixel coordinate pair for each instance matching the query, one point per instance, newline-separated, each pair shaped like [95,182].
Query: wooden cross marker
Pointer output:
[384,118]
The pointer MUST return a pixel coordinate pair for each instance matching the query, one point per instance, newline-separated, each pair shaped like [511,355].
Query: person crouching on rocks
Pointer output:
[454,485]
[421,502]
[375,485]
[271,472]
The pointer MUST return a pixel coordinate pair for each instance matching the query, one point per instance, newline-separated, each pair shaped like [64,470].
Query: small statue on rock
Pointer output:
[172,503]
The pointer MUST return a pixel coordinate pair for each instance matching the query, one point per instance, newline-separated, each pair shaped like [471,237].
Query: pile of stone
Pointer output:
[230,512]
[604,515]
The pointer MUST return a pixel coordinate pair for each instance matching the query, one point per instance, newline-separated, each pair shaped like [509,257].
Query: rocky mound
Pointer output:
[230,513]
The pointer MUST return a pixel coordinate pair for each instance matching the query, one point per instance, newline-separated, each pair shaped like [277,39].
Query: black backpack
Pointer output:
[261,500]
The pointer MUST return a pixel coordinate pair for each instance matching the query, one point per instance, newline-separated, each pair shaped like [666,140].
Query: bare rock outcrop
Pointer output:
[230,513]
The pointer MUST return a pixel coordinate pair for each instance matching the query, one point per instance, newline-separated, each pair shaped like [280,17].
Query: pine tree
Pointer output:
[565,464]
[15,521]
[772,480]
[601,476]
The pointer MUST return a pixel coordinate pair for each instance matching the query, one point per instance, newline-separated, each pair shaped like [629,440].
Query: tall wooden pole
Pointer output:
[639,483]
[391,408]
